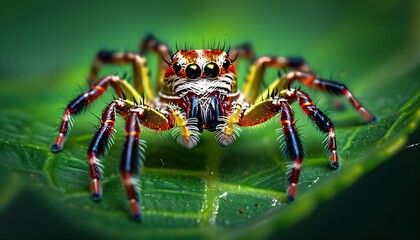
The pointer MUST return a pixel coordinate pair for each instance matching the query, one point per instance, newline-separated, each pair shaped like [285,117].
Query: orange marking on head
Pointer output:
[189,54]
[207,52]
[169,71]
[213,54]
[232,69]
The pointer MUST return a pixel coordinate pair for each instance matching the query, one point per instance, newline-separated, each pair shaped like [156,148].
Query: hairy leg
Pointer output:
[161,49]
[323,123]
[310,80]
[134,115]
[100,142]
[253,82]
[80,103]
[130,163]
[140,70]
[243,115]
[294,147]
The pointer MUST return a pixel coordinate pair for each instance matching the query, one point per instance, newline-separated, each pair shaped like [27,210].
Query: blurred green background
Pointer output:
[43,39]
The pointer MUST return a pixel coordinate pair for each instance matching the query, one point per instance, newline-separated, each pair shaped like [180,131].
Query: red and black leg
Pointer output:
[333,87]
[264,111]
[130,163]
[254,80]
[139,65]
[270,107]
[130,157]
[320,119]
[161,49]
[99,145]
[151,43]
[80,103]
[293,147]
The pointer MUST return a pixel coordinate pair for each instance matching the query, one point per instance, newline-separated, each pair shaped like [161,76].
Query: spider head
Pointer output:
[213,70]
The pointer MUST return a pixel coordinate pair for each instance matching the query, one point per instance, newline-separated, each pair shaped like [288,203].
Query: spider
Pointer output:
[198,90]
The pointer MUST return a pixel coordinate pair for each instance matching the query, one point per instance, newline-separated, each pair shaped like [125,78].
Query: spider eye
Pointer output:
[226,64]
[177,67]
[211,70]
[193,71]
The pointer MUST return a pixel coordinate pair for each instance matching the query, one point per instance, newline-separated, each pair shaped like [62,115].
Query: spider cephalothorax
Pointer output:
[197,90]
[204,78]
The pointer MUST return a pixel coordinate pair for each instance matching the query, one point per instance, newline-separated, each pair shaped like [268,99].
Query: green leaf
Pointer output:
[209,191]
[204,189]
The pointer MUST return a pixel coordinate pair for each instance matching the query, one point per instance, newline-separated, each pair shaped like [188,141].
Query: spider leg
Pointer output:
[244,115]
[140,70]
[319,118]
[243,51]
[294,147]
[82,101]
[151,43]
[99,144]
[226,131]
[264,111]
[130,163]
[251,88]
[187,132]
[312,81]
[131,158]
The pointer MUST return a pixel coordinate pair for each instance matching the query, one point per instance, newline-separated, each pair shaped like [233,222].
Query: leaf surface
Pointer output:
[209,191]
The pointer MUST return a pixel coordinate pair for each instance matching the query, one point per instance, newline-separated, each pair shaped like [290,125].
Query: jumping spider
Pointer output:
[197,90]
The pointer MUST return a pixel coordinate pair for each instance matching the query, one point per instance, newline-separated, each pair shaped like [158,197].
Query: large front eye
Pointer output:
[211,70]
[193,71]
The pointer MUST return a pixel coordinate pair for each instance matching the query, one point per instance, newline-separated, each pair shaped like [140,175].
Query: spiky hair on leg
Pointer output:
[222,136]
[186,131]
[191,140]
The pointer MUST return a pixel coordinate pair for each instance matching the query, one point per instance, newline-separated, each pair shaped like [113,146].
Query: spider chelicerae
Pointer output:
[198,90]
